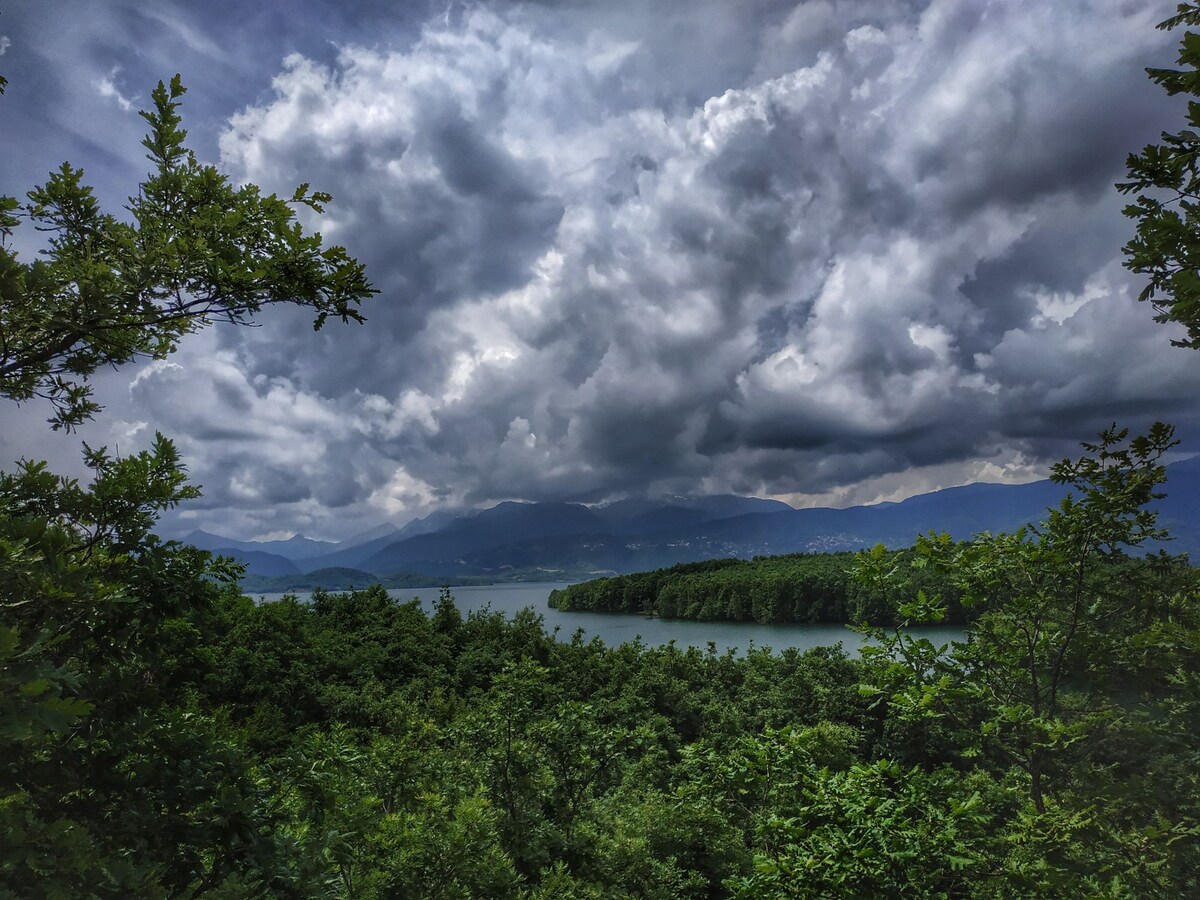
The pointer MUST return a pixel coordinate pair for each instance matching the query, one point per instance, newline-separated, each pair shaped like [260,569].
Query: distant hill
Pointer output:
[259,562]
[435,521]
[503,524]
[354,552]
[208,541]
[648,516]
[330,579]
[294,548]
[371,534]
[964,511]
[352,557]
[568,541]
[306,554]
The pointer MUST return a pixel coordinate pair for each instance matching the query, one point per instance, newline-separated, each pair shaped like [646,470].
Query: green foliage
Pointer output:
[872,830]
[102,754]
[1165,179]
[358,833]
[191,249]
[66,559]
[1071,683]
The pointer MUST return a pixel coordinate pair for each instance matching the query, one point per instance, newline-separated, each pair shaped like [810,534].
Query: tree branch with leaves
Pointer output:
[1165,181]
[192,250]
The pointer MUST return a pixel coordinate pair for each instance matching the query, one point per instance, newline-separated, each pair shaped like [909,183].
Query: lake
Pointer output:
[614,628]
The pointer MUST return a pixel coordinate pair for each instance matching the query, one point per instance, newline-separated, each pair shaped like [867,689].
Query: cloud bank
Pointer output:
[829,252]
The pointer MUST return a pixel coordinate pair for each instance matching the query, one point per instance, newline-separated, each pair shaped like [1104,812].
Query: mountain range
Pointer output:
[570,541]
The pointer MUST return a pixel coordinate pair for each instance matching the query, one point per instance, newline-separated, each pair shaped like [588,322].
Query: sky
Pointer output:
[828,252]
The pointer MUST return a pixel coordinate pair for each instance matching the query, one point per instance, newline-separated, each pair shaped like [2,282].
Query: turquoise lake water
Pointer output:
[616,629]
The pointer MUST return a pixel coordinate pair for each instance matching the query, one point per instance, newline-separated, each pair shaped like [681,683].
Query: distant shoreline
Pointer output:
[341,579]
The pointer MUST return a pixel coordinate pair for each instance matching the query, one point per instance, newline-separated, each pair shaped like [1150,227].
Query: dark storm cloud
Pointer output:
[434,206]
[844,250]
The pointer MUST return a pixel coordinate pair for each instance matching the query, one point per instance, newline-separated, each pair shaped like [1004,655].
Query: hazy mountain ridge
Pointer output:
[259,562]
[566,540]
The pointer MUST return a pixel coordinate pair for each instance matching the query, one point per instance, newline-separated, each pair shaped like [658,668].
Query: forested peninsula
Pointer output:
[795,588]
[799,588]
